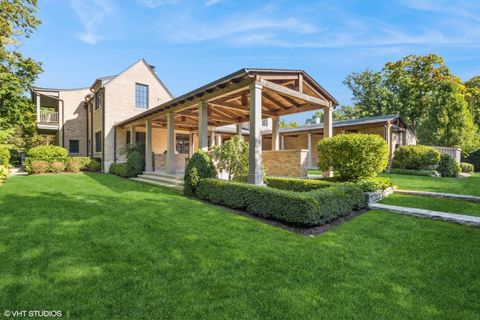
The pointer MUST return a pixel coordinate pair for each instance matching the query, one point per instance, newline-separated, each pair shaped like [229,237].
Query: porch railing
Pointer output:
[47,116]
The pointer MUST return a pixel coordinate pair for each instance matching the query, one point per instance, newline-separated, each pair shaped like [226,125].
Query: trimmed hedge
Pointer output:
[120,169]
[301,208]
[296,184]
[48,153]
[448,167]
[415,157]
[412,172]
[473,158]
[353,156]
[3,173]
[373,184]
[4,156]
[467,167]
[200,166]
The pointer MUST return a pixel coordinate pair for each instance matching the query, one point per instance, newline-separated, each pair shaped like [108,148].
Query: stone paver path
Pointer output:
[440,195]
[422,213]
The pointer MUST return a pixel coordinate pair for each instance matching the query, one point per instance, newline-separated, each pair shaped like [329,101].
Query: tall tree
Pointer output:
[284,124]
[473,97]
[412,82]
[342,113]
[17,73]
[370,96]
[449,121]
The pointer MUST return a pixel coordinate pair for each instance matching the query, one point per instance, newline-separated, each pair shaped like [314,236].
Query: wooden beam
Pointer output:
[273,100]
[292,93]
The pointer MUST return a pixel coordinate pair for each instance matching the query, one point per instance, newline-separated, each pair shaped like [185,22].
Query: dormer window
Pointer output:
[141,96]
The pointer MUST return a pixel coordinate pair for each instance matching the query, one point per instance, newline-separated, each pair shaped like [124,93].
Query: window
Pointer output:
[182,143]
[98,141]
[98,100]
[73,146]
[141,96]
[265,122]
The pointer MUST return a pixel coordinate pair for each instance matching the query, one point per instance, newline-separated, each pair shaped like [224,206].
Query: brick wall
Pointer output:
[285,163]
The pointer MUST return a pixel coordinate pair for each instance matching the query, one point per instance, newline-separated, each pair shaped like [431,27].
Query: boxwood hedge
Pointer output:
[296,184]
[300,208]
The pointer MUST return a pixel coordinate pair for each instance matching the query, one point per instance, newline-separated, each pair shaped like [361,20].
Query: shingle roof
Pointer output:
[341,123]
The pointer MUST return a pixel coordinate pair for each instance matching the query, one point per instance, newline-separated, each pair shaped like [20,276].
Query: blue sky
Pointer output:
[194,42]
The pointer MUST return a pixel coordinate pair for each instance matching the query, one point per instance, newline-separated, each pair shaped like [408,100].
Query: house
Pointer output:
[83,120]
[135,107]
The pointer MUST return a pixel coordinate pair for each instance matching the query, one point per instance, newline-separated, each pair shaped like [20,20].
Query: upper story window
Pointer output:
[141,96]
[98,100]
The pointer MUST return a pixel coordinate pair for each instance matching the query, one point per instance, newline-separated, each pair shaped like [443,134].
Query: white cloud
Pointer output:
[92,13]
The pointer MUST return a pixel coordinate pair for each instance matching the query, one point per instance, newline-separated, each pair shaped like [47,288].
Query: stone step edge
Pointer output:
[439,195]
[161,179]
[158,183]
[422,213]
[161,174]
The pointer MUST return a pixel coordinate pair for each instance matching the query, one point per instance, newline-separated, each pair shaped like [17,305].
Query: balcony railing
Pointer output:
[48,117]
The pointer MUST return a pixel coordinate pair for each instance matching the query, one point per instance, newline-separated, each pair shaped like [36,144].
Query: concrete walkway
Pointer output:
[440,195]
[422,213]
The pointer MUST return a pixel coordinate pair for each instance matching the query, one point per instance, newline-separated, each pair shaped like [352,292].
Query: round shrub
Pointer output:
[48,153]
[135,164]
[199,166]
[467,167]
[38,166]
[57,167]
[353,156]
[4,156]
[474,159]
[448,167]
[73,165]
[415,157]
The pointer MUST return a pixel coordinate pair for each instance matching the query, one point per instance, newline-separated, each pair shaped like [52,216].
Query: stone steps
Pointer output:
[422,213]
[440,195]
[161,179]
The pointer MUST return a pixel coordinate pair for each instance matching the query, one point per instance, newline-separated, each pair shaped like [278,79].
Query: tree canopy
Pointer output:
[421,89]
[17,73]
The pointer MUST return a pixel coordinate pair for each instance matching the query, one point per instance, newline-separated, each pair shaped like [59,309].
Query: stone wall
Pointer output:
[286,163]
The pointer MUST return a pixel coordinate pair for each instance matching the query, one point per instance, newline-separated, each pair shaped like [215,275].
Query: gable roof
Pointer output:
[109,79]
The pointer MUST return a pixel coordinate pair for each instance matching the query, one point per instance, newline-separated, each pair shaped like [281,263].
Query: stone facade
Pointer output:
[285,163]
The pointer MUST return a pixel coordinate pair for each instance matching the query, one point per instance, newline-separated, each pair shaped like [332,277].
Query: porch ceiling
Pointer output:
[228,99]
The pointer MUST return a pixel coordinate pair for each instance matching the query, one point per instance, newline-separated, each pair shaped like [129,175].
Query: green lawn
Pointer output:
[445,205]
[469,186]
[98,247]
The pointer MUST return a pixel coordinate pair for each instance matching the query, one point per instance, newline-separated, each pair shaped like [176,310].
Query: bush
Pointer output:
[448,167]
[412,172]
[4,156]
[232,157]
[473,158]
[301,208]
[467,167]
[93,166]
[48,153]
[120,169]
[353,156]
[296,184]
[415,157]
[3,173]
[57,167]
[200,166]
[374,184]
[135,164]
[73,165]
[38,166]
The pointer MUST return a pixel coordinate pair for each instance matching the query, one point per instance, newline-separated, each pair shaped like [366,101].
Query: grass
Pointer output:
[436,204]
[468,186]
[316,172]
[99,247]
